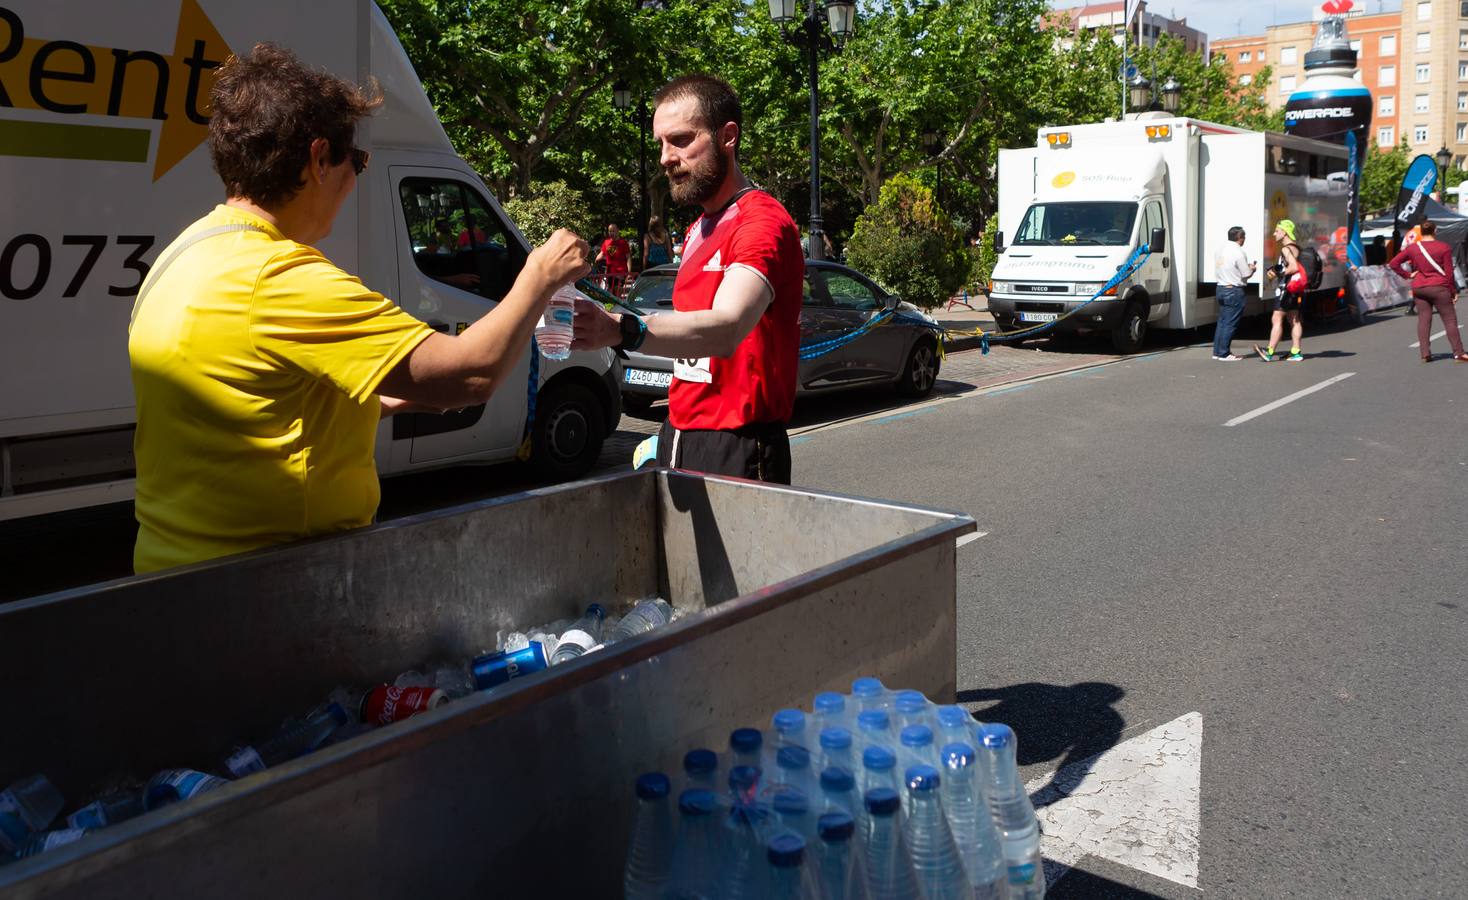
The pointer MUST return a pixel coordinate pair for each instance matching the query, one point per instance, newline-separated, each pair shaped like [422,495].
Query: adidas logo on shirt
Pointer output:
[714,264]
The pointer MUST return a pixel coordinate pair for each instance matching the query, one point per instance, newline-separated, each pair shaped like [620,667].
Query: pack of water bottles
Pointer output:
[30,809]
[875,794]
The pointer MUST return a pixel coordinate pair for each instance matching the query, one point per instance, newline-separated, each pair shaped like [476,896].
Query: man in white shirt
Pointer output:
[1232,270]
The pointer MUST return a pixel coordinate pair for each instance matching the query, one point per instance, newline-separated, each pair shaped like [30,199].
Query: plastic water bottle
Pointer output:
[701,768]
[297,738]
[787,878]
[793,812]
[917,746]
[954,726]
[793,769]
[972,826]
[888,867]
[869,693]
[173,785]
[743,841]
[1013,815]
[557,324]
[27,807]
[695,870]
[874,728]
[935,859]
[650,856]
[789,726]
[911,708]
[829,709]
[746,744]
[743,786]
[50,840]
[583,634]
[836,748]
[838,791]
[838,870]
[879,770]
[109,809]
[642,618]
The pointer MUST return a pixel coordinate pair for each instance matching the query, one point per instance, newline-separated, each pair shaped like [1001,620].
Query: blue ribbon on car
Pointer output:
[830,345]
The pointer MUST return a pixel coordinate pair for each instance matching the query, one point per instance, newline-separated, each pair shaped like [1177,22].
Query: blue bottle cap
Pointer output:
[957,755]
[835,738]
[787,720]
[952,716]
[745,740]
[836,779]
[921,779]
[696,802]
[829,702]
[743,777]
[652,786]
[793,758]
[882,801]
[867,687]
[879,758]
[873,720]
[917,736]
[834,827]
[792,801]
[786,851]
[700,761]
[996,736]
[910,702]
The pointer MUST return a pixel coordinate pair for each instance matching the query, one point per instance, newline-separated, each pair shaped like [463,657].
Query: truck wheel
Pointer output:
[1129,334]
[921,371]
[568,432]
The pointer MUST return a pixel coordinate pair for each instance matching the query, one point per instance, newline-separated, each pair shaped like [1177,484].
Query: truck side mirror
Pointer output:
[998,242]
[1159,241]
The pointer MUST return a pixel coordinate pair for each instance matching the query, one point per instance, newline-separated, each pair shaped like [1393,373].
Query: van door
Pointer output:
[1156,274]
[456,260]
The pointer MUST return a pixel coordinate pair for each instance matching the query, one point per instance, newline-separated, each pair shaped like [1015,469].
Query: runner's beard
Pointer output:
[703,182]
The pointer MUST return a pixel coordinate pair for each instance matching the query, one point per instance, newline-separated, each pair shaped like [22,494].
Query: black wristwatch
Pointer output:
[634,332]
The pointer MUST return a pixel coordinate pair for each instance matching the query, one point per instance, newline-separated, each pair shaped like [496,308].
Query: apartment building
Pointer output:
[1435,75]
[1141,27]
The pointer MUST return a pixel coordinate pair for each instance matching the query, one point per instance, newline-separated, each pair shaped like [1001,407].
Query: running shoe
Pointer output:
[1296,356]
[1264,353]
[1229,358]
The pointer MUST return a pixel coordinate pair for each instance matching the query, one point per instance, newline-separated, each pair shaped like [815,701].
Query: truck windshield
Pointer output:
[1108,224]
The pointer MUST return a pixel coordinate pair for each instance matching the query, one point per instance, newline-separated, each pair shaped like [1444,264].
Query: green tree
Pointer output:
[551,206]
[909,245]
[1381,177]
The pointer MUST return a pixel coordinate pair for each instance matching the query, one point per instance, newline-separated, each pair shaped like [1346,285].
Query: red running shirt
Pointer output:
[757,383]
[615,252]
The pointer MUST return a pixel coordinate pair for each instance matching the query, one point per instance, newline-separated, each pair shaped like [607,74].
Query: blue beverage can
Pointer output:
[173,785]
[494,669]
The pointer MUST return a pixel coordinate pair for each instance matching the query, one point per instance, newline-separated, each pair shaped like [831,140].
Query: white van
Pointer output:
[1078,204]
[103,161]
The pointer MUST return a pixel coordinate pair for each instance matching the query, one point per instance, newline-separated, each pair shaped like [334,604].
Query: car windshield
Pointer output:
[1107,224]
[652,292]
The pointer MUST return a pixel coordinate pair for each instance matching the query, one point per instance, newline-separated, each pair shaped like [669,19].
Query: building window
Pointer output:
[1462,40]
[1419,134]
[1462,102]
[1424,11]
[1463,10]
[1424,41]
[1462,132]
[1246,56]
[1246,80]
[1386,136]
[1386,76]
[1424,73]
[1420,103]
[1389,43]
[1386,106]
[1356,47]
[1287,56]
[1287,84]
[1463,70]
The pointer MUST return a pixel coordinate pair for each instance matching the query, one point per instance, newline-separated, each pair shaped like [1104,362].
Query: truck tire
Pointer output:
[568,432]
[920,372]
[1128,335]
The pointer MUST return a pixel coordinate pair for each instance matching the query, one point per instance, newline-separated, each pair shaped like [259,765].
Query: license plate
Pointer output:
[1038,317]
[646,378]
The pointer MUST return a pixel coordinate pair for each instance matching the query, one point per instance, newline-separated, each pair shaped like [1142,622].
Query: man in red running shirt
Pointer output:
[614,252]
[734,334]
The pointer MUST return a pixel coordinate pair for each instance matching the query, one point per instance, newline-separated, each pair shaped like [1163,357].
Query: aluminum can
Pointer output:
[494,669]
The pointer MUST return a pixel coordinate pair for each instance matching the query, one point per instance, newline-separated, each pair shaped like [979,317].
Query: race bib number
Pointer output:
[693,370]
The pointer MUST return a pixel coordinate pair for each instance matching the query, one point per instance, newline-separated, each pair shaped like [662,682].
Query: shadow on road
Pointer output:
[1055,723]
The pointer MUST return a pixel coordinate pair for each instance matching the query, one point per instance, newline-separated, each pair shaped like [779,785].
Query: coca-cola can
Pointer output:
[388,703]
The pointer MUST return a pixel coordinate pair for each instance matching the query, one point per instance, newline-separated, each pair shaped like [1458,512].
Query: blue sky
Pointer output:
[1221,18]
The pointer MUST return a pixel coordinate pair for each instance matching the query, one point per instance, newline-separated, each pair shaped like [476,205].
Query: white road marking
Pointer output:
[1136,804]
[970,538]
[1415,344]
[1271,407]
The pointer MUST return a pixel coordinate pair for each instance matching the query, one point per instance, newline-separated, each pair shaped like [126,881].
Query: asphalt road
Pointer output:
[1296,578]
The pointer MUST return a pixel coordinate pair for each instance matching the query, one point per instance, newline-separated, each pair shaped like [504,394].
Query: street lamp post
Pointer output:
[931,142]
[622,99]
[1444,157]
[811,34]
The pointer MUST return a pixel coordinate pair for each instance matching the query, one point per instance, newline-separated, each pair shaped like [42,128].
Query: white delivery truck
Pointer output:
[103,160]
[1079,203]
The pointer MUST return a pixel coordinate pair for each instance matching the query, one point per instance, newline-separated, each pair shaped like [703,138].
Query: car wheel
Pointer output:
[921,372]
[568,432]
[1128,335]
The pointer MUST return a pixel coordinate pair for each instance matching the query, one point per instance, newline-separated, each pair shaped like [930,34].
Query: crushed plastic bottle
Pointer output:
[173,785]
[972,825]
[584,634]
[108,809]
[935,859]
[50,840]
[27,807]
[650,855]
[1013,815]
[297,738]
[642,618]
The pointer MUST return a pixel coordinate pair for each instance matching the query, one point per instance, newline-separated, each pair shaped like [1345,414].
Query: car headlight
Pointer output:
[1002,287]
[1092,288]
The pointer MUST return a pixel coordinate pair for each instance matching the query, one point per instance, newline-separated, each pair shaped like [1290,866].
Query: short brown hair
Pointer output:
[717,102]
[268,108]
[1428,228]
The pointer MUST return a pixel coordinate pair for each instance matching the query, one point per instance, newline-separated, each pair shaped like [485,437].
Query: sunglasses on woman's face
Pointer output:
[359,160]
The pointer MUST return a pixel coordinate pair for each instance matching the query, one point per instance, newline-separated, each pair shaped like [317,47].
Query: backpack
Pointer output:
[1309,260]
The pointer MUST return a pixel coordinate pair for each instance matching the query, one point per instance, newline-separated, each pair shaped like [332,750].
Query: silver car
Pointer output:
[838,300]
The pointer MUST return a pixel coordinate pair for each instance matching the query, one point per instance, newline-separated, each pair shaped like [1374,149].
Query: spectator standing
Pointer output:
[657,244]
[614,252]
[1289,295]
[1434,286]
[1232,270]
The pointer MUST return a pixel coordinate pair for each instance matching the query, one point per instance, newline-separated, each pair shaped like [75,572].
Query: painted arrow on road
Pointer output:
[1135,804]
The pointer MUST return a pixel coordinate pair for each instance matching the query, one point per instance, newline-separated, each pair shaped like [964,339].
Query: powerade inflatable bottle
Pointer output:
[1332,106]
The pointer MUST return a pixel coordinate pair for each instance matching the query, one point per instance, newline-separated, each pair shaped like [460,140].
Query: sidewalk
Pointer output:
[963,319]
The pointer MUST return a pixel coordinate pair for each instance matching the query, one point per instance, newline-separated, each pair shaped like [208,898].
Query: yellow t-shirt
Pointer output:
[255,363]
